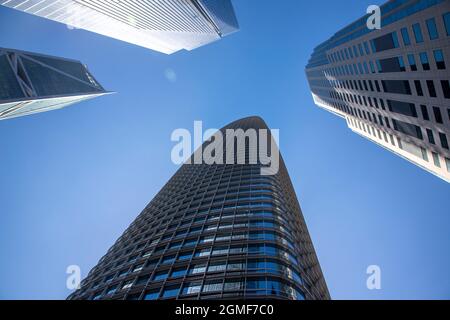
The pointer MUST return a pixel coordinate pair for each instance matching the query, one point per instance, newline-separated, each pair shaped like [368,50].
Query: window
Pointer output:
[395,64]
[160,275]
[372,67]
[412,62]
[407,109]
[168,259]
[97,296]
[361,52]
[366,46]
[396,86]
[408,129]
[386,42]
[138,268]
[111,290]
[217,267]
[418,86]
[424,60]
[447,162]
[417,33]
[133,297]
[185,256]
[432,29]
[377,85]
[405,36]
[175,245]
[190,242]
[445,84]
[179,272]
[431,89]
[436,160]
[437,114]
[142,280]
[191,288]
[123,273]
[151,295]
[425,112]
[213,286]
[446,18]
[379,68]
[439,58]
[430,136]
[196,269]
[127,285]
[233,285]
[444,142]
[171,292]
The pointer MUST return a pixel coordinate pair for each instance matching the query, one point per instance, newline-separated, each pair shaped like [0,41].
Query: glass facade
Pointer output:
[407,71]
[9,85]
[41,83]
[214,232]
[164,26]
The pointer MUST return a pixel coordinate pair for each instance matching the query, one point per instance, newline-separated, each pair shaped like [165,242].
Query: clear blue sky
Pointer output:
[71,181]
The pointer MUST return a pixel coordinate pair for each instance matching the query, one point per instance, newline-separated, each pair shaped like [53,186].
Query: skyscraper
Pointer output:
[166,25]
[32,83]
[392,85]
[215,231]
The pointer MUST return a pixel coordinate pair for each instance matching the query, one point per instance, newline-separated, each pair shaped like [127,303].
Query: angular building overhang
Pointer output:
[32,83]
[165,26]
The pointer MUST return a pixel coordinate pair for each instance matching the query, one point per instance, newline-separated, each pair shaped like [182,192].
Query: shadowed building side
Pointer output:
[32,83]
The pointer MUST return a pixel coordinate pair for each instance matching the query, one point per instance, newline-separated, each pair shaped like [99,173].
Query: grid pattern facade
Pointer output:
[392,85]
[32,83]
[214,232]
[165,25]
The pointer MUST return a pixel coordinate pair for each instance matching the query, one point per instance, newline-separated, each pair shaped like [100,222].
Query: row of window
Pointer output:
[390,41]
[250,287]
[394,64]
[393,106]
[256,266]
[397,64]
[252,187]
[257,249]
[407,109]
[388,86]
[191,242]
[225,217]
[406,146]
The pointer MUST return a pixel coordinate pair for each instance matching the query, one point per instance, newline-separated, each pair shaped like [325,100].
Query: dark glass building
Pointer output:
[216,231]
[31,83]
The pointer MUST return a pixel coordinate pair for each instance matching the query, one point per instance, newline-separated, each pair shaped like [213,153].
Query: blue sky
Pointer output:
[71,181]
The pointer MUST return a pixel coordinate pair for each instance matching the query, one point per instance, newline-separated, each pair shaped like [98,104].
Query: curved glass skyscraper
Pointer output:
[220,231]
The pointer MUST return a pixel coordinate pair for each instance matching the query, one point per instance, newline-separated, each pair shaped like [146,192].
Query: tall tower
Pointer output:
[215,231]
[392,86]
[166,26]
[32,83]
